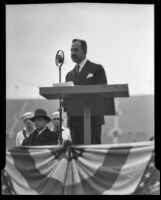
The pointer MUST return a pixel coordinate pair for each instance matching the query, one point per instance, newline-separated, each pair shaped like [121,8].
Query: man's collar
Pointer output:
[81,64]
[42,130]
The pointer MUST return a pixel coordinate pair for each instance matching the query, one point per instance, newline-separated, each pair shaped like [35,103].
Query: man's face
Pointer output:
[40,123]
[77,54]
[56,122]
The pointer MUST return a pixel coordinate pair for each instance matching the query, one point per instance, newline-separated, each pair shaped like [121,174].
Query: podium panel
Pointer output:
[99,105]
[88,90]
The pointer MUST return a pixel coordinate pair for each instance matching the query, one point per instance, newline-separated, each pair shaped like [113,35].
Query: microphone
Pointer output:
[59,58]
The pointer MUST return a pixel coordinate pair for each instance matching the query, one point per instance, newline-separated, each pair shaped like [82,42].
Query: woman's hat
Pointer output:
[27,115]
[55,115]
[41,113]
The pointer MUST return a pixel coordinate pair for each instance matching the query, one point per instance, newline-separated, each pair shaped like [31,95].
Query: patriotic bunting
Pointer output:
[116,169]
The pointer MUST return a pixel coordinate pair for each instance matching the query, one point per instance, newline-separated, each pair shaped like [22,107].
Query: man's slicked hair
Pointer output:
[83,44]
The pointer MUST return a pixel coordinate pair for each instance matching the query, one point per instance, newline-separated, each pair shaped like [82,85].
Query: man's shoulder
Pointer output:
[50,137]
[70,72]
[93,64]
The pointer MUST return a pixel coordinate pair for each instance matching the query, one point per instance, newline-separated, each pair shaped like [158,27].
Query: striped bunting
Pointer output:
[115,169]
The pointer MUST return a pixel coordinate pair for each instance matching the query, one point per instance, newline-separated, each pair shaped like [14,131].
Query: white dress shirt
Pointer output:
[81,64]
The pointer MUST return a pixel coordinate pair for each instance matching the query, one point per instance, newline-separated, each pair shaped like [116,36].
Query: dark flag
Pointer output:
[6,184]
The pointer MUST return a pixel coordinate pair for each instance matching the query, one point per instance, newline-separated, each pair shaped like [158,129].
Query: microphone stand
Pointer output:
[59,59]
[60,109]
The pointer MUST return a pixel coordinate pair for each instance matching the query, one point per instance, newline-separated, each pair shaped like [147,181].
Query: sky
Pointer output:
[119,36]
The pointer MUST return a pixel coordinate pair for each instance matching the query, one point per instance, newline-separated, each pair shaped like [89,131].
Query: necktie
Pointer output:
[77,69]
[37,134]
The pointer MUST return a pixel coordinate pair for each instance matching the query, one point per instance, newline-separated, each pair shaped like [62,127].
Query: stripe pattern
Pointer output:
[115,169]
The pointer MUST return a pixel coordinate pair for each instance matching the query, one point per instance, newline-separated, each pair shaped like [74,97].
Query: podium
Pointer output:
[87,101]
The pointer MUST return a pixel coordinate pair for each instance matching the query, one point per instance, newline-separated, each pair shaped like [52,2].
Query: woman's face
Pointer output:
[28,123]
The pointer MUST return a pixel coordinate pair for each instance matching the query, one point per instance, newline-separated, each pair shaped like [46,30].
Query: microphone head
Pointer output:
[59,59]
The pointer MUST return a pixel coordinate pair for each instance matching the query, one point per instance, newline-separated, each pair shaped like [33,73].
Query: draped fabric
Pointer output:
[117,169]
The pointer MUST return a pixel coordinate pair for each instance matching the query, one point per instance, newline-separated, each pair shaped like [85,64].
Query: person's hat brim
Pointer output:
[45,117]
[27,115]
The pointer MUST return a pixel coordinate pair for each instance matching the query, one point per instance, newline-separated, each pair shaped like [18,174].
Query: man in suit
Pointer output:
[42,134]
[84,73]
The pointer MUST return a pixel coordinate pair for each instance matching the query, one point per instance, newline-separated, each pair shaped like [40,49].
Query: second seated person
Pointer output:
[42,134]
[55,119]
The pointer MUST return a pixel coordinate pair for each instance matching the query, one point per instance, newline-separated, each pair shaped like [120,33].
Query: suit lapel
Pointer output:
[84,72]
[74,77]
[41,137]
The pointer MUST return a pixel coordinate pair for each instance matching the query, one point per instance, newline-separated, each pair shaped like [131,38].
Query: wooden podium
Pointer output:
[87,100]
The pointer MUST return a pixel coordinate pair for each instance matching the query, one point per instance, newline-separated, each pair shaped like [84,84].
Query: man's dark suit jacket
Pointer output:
[98,77]
[45,138]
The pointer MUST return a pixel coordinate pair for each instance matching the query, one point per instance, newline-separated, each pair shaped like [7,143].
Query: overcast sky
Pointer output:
[119,36]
